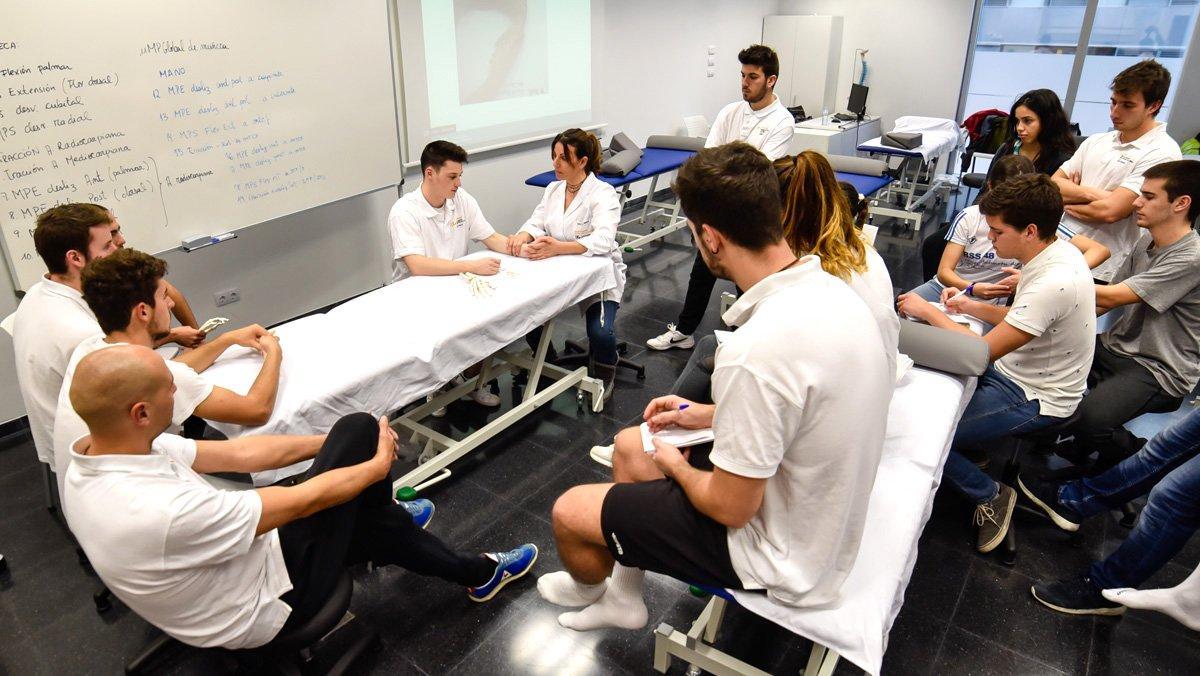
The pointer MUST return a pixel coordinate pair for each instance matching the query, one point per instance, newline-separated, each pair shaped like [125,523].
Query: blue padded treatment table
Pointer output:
[867,185]
[655,161]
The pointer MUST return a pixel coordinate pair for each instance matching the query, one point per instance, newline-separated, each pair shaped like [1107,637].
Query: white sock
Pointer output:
[1181,602]
[563,590]
[621,605]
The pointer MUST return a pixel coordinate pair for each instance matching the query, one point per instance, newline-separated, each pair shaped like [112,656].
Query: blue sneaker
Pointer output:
[509,566]
[421,511]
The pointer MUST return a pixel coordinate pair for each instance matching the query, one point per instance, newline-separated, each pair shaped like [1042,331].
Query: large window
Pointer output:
[1026,44]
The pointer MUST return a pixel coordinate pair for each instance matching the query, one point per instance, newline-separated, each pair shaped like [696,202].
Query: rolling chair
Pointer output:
[292,651]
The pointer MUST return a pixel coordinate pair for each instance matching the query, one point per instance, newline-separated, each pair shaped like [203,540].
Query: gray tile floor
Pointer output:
[963,613]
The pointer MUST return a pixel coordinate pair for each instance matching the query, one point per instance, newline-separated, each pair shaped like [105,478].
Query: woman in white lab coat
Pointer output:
[578,216]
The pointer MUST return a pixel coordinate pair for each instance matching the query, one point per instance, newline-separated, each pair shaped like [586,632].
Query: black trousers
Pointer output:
[1119,390]
[317,548]
[699,291]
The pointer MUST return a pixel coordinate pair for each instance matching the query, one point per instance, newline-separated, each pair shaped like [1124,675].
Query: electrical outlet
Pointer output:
[227,296]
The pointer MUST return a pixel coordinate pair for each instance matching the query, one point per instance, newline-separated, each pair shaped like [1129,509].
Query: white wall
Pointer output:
[652,74]
[917,52]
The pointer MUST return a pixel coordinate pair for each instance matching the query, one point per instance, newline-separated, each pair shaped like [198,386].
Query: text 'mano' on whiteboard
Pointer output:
[190,118]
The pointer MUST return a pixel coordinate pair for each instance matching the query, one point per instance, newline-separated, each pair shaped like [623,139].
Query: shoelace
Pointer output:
[983,514]
[505,558]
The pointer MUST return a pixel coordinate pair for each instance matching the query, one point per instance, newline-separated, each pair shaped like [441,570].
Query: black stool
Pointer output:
[576,355]
[289,653]
[1022,443]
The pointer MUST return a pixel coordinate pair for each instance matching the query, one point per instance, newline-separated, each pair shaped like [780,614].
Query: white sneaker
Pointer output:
[484,397]
[670,339]
[437,413]
[602,454]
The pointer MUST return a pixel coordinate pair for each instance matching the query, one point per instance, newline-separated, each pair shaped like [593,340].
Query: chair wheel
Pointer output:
[103,601]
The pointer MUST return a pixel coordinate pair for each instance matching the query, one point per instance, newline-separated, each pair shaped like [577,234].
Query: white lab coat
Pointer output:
[591,221]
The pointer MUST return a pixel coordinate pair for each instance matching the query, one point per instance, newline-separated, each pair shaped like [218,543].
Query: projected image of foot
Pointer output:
[502,49]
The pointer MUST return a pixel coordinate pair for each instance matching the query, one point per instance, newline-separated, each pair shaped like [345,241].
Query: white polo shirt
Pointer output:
[1104,162]
[1056,303]
[419,228]
[180,553]
[50,321]
[770,129]
[802,392]
[191,389]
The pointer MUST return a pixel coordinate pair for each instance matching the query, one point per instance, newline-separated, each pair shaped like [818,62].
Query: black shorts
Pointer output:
[653,526]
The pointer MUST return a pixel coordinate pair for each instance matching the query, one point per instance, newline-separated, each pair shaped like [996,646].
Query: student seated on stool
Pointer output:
[785,414]
[1150,359]
[1168,469]
[1041,346]
[128,294]
[53,317]
[233,568]
[436,223]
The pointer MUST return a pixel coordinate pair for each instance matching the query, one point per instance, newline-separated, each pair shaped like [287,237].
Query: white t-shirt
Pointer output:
[191,389]
[50,321]
[180,553]
[417,227]
[1102,161]
[874,287]
[770,129]
[1056,303]
[802,392]
[979,262]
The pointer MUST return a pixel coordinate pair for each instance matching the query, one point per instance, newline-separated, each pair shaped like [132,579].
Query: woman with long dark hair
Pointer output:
[1038,130]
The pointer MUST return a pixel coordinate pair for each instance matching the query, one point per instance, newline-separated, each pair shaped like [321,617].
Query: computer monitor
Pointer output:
[858,99]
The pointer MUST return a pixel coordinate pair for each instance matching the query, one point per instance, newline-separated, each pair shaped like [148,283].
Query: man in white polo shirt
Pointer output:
[53,317]
[1041,346]
[1103,178]
[761,120]
[129,296]
[801,382]
[231,569]
[434,225]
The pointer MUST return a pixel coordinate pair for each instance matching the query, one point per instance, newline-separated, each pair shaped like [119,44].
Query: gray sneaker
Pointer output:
[993,519]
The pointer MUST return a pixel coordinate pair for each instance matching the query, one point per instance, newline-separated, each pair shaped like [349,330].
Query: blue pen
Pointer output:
[682,406]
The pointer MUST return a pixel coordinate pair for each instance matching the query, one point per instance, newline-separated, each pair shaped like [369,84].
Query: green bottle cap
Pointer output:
[406,494]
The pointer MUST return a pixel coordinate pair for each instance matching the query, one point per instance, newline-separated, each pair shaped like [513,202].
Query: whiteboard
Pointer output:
[190,118]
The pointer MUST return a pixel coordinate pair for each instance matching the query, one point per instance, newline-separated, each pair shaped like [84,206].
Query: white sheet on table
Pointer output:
[385,349]
[921,421]
[939,136]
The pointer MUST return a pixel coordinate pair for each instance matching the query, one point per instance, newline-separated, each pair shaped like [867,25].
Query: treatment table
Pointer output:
[922,419]
[388,348]
[918,182]
[655,162]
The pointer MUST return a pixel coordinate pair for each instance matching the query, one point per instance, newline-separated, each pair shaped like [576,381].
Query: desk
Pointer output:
[827,136]
[390,347]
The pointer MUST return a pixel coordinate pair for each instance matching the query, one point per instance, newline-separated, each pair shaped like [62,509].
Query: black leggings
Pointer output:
[699,291]
[370,527]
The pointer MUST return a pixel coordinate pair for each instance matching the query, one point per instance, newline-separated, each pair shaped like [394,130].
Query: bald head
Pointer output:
[109,383]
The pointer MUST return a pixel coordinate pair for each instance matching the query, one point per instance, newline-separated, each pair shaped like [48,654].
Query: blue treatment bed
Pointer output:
[658,161]
[655,162]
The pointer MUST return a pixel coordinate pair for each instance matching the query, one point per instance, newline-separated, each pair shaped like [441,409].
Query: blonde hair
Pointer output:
[816,216]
